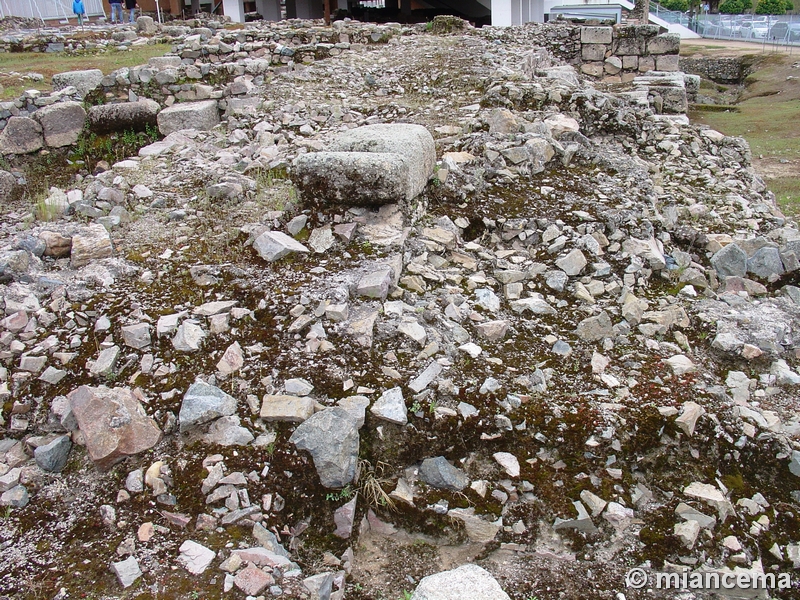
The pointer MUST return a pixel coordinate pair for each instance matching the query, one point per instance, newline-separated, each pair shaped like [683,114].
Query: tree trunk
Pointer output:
[641,11]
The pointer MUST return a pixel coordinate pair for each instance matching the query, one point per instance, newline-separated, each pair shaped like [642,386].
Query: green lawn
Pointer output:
[49,64]
[769,119]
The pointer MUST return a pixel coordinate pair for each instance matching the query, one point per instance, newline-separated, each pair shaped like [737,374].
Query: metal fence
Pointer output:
[768,30]
[47,9]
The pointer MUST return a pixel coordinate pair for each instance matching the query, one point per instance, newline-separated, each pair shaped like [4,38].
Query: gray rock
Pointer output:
[556,280]
[113,422]
[424,379]
[146,25]
[730,261]
[296,225]
[188,337]
[439,473]
[16,497]
[202,116]
[274,245]
[319,586]
[370,165]
[61,123]
[228,431]
[376,284]
[331,437]
[21,135]
[573,263]
[467,581]
[8,185]
[83,81]
[53,457]
[765,263]
[595,328]
[202,403]
[321,239]
[124,116]
[391,407]
[137,335]
[127,571]
[105,362]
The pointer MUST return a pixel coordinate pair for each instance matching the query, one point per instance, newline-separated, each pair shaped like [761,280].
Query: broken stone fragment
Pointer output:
[691,412]
[113,422]
[439,473]
[195,557]
[467,581]
[391,407]
[127,571]
[53,457]
[188,337]
[508,461]
[287,408]
[274,245]
[202,403]
[90,243]
[136,336]
[331,437]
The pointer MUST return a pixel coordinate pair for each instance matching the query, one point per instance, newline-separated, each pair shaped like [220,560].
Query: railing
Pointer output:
[670,16]
[769,30]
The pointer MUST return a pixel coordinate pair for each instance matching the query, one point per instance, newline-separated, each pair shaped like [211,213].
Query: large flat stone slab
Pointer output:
[188,115]
[369,166]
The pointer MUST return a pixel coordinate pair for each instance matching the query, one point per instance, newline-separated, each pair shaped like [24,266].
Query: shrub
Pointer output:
[731,7]
[679,5]
[771,7]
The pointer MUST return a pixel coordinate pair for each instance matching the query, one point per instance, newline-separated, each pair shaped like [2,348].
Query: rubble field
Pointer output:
[384,312]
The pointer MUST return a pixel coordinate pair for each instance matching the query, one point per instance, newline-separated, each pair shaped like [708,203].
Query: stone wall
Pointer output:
[719,70]
[621,52]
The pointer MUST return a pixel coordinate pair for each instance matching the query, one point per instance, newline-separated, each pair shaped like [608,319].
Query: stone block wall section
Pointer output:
[209,63]
[618,54]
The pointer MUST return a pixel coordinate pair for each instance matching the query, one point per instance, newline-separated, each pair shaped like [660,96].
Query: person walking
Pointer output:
[79,10]
[116,11]
[131,6]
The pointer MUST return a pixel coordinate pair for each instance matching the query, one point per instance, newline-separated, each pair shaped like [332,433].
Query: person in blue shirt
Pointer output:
[79,10]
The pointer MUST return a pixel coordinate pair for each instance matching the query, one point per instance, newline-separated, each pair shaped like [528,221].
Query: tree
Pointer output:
[789,5]
[731,7]
[771,7]
[679,5]
[747,5]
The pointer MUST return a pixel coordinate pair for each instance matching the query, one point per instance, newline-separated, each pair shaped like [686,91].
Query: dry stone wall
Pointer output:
[620,53]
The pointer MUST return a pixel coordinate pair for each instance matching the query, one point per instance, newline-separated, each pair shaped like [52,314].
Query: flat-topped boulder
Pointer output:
[369,166]
[83,81]
[124,116]
[21,136]
[202,116]
[61,123]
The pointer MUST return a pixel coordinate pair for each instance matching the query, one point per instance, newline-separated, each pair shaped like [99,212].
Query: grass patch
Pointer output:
[767,115]
[50,64]
[787,192]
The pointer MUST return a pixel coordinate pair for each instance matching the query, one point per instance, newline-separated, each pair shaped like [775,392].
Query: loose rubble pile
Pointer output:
[542,324]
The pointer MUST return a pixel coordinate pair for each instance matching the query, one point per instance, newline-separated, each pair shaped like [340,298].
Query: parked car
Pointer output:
[779,31]
[754,29]
[793,34]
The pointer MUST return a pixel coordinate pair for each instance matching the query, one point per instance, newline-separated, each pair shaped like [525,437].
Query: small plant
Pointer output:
[369,479]
[344,494]
[416,407]
[7,512]
[432,405]
[270,449]
[406,595]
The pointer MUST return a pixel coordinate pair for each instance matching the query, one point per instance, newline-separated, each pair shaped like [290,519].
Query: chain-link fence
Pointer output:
[764,29]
